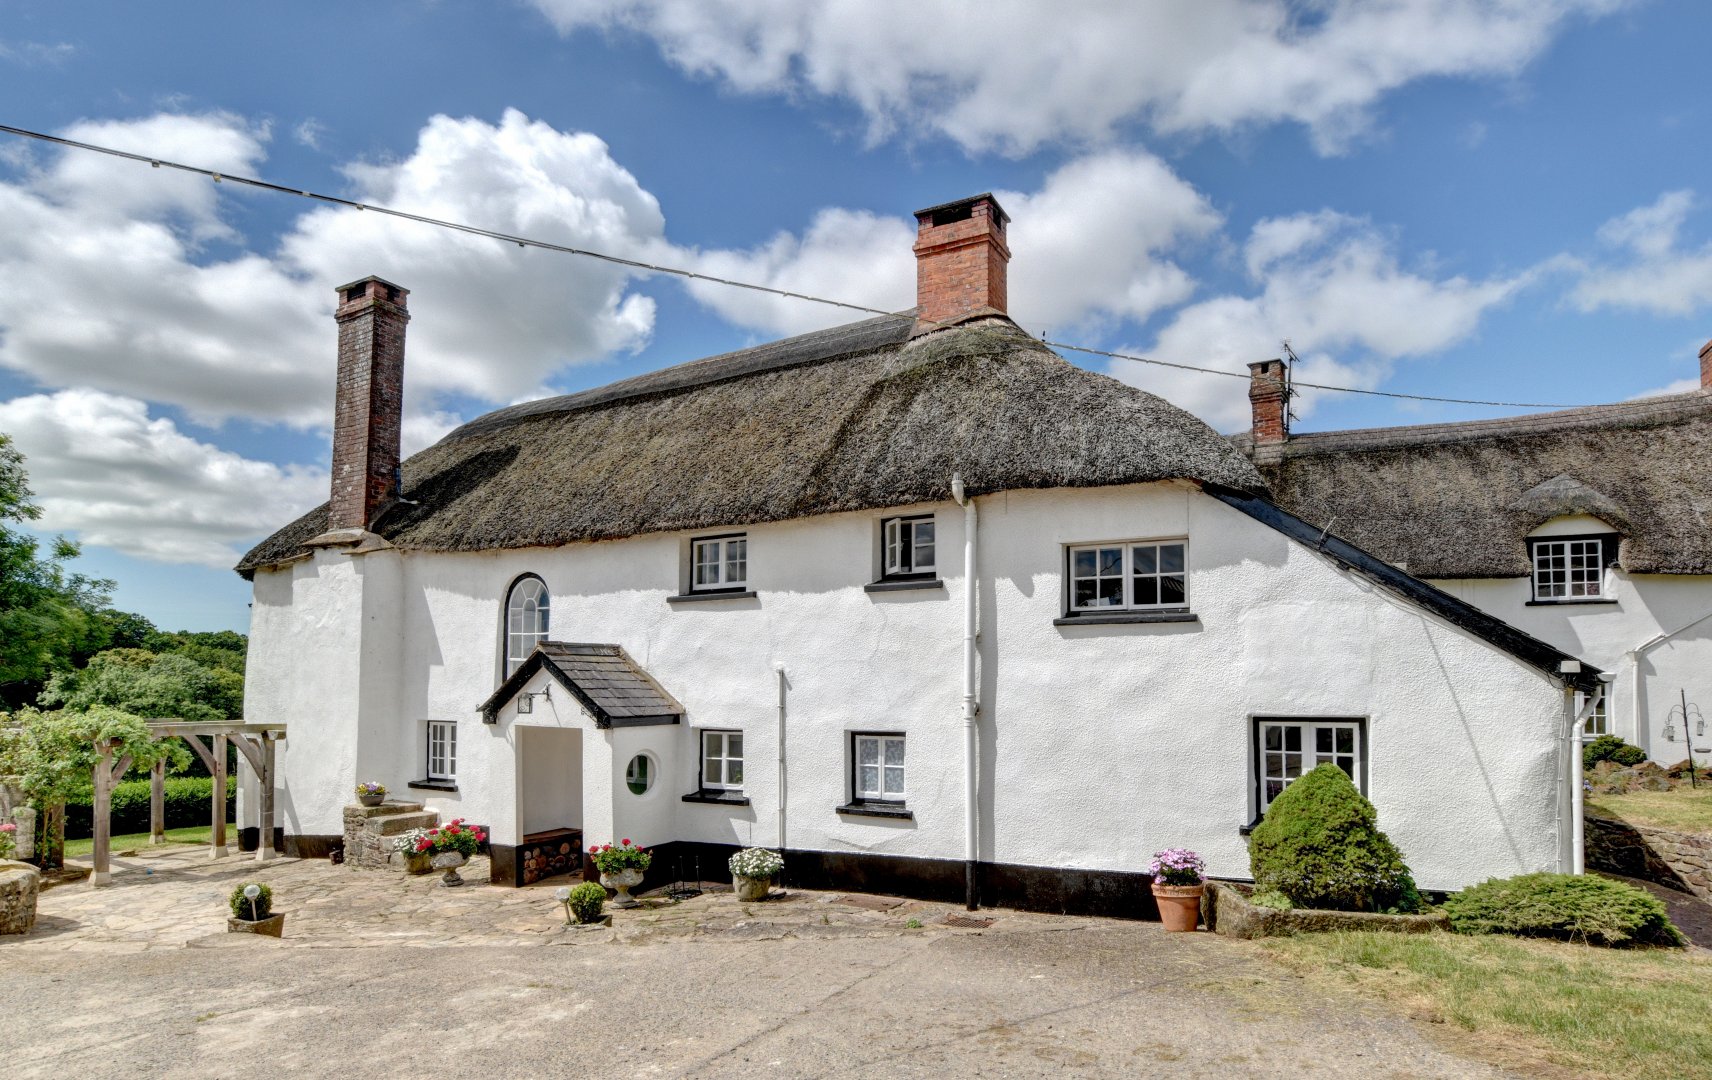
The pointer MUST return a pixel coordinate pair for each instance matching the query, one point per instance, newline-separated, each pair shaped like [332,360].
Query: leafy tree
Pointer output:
[47,615]
[151,685]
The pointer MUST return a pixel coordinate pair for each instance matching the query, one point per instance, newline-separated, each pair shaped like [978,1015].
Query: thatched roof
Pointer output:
[854,418]
[1458,500]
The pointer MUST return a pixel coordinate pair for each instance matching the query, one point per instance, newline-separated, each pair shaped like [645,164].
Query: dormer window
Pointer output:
[526,611]
[1571,569]
[719,563]
[908,547]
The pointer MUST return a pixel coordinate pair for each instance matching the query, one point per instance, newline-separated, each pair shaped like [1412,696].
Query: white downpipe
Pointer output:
[1573,734]
[971,742]
[780,669]
[1643,737]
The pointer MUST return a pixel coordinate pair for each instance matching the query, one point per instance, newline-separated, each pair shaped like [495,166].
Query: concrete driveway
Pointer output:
[819,985]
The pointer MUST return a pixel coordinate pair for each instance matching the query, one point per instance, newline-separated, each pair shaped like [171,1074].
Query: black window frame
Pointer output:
[505,666]
[722,589]
[1609,543]
[1257,756]
[912,574]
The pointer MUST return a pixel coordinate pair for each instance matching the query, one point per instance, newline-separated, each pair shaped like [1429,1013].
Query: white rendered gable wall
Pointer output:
[1099,744]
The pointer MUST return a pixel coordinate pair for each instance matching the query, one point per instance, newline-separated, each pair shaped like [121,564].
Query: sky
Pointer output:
[1508,200]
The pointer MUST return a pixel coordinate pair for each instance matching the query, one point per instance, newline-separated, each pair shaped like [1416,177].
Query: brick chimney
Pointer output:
[1268,399]
[960,258]
[1706,366]
[369,402]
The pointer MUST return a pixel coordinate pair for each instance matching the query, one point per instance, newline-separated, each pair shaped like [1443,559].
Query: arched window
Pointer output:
[525,620]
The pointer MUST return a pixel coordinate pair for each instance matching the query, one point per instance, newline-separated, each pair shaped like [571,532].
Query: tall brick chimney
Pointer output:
[1706,366]
[1268,399]
[960,259]
[369,402]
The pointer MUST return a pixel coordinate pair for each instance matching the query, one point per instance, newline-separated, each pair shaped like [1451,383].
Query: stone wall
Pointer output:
[370,832]
[19,885]
[1680,860]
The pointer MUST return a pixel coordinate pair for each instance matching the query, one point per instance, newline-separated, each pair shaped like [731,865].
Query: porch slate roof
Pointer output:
[603,679]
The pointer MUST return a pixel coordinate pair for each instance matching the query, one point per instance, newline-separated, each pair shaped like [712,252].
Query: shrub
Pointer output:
[1320,845]
[1611,748]
[586,901]
[187,799]
[613,860]
[241,908]
[1594,910]
[757,863]
[1272,898]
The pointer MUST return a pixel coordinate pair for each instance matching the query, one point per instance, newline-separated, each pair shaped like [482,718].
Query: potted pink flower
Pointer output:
[1177,887]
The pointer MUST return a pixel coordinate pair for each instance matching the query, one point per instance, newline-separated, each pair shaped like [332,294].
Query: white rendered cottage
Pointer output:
[1589,528]
[913,599]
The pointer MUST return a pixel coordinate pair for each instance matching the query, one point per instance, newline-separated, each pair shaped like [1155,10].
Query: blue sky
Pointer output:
[1468,198]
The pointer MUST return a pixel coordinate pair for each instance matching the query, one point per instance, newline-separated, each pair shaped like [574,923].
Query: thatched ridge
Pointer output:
[1458,500]
[853,418]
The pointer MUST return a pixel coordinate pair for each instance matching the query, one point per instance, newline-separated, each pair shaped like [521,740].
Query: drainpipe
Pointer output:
[1573,735]
[971,746]
[1633,658]
[779,667]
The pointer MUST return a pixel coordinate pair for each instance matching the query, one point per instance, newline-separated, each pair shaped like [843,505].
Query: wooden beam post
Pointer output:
[157,803]
[219,808]
[264,845]
[102,815]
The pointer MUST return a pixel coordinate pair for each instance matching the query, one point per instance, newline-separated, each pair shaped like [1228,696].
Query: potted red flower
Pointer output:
[621,869]
[450,847]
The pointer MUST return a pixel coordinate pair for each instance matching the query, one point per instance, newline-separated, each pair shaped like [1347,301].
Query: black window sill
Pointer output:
[904,585]
[1119,617]
[721,798]
[701,597]
[434,785]
[1567,603]
[1244,830]
[871,809]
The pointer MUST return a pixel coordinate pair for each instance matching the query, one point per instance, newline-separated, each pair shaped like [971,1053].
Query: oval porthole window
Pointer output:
[639,777]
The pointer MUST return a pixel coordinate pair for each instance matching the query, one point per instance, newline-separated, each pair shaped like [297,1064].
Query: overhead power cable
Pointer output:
[692,275]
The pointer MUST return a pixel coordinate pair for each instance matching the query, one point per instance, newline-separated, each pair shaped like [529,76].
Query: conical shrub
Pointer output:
[1320,845]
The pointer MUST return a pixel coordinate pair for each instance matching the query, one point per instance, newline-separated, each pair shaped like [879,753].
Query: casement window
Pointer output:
[722,761]
[1599,722]
[1571,569]
[442,750]
[907,547]
[719,563]
[1129,576]
[1286,749]
[526,611]
[878,774]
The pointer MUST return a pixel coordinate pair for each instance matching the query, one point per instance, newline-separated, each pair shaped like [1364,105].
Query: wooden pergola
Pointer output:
[254,741]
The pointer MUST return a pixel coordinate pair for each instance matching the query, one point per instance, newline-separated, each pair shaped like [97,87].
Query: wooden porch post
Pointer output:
[219,772]
[264,846]
[102,815]
[157,803]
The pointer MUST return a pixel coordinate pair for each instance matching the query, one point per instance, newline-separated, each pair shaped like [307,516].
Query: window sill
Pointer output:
[702,597]
[1119,617]
[434,785]
[1244,830]
[1567,603]
[903,585]
[720,798]
[869,809]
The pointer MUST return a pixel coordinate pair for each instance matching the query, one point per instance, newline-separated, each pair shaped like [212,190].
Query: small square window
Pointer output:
[719,563]
[908,547]
[878,768]
[1287,749]
[722,760]
[442,749]
[1570,569]
[1152,575]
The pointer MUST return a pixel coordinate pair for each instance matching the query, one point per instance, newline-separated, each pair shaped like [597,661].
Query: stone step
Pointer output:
[394,824]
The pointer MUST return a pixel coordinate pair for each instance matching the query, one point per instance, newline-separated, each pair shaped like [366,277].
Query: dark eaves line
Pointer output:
[692,275]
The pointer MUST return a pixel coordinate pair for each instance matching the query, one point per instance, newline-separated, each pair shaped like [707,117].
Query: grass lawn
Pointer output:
[195,834]
[1638,1014]
[1686,809]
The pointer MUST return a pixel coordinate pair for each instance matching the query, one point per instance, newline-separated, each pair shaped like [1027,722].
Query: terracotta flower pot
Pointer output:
[272,926]
[1179,905]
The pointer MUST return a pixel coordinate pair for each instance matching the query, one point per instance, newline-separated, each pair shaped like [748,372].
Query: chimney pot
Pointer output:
[961,256]
[1267,398]
[1706,366]
[368,403]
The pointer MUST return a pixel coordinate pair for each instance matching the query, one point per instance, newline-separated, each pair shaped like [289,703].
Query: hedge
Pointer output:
[1571,907]
[187,799]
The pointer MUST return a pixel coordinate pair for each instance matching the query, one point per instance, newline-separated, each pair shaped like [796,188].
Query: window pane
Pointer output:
[1084,594]
[923,546]
[868,751]
[1146,590]
[894,751]
[1171,591]
[1274,788]
[1111,562]
[1346,740]
[734,744]
[1111,592]
[894,781]
[734,771]
[1292,738]
[1274,736]
[868,779]
[1323,740]
[1171,558]
[1084,563]
[1146,560]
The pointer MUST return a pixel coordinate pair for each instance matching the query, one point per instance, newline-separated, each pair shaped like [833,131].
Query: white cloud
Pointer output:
[1660,276]
[106,471]
[1086,249]
[1015,75]
[1333,286]
[33,53]
[105,283]
[309,132]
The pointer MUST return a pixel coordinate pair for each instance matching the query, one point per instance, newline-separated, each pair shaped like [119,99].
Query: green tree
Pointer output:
[151,685]
[47,614]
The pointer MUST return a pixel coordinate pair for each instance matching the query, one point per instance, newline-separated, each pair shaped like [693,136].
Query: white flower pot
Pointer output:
[622,881]
[751,888]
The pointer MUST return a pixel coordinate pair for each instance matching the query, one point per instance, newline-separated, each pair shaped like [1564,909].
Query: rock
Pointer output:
[1658,782]
[20,884]
[1226,910]
[1605,768]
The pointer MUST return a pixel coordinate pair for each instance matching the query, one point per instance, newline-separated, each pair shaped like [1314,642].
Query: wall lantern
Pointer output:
[526,702]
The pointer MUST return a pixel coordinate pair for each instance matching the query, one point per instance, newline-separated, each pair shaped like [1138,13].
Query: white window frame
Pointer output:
[1599,723]
[528,611]
[901,544]
[718,777]
[442,749]
[881,792]
[1567,556]
[1274,764]
[1125,573]
[716,553]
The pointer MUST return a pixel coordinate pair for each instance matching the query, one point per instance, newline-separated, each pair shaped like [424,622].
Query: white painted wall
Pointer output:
[1611,636]
[1099,745]
[550,787]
